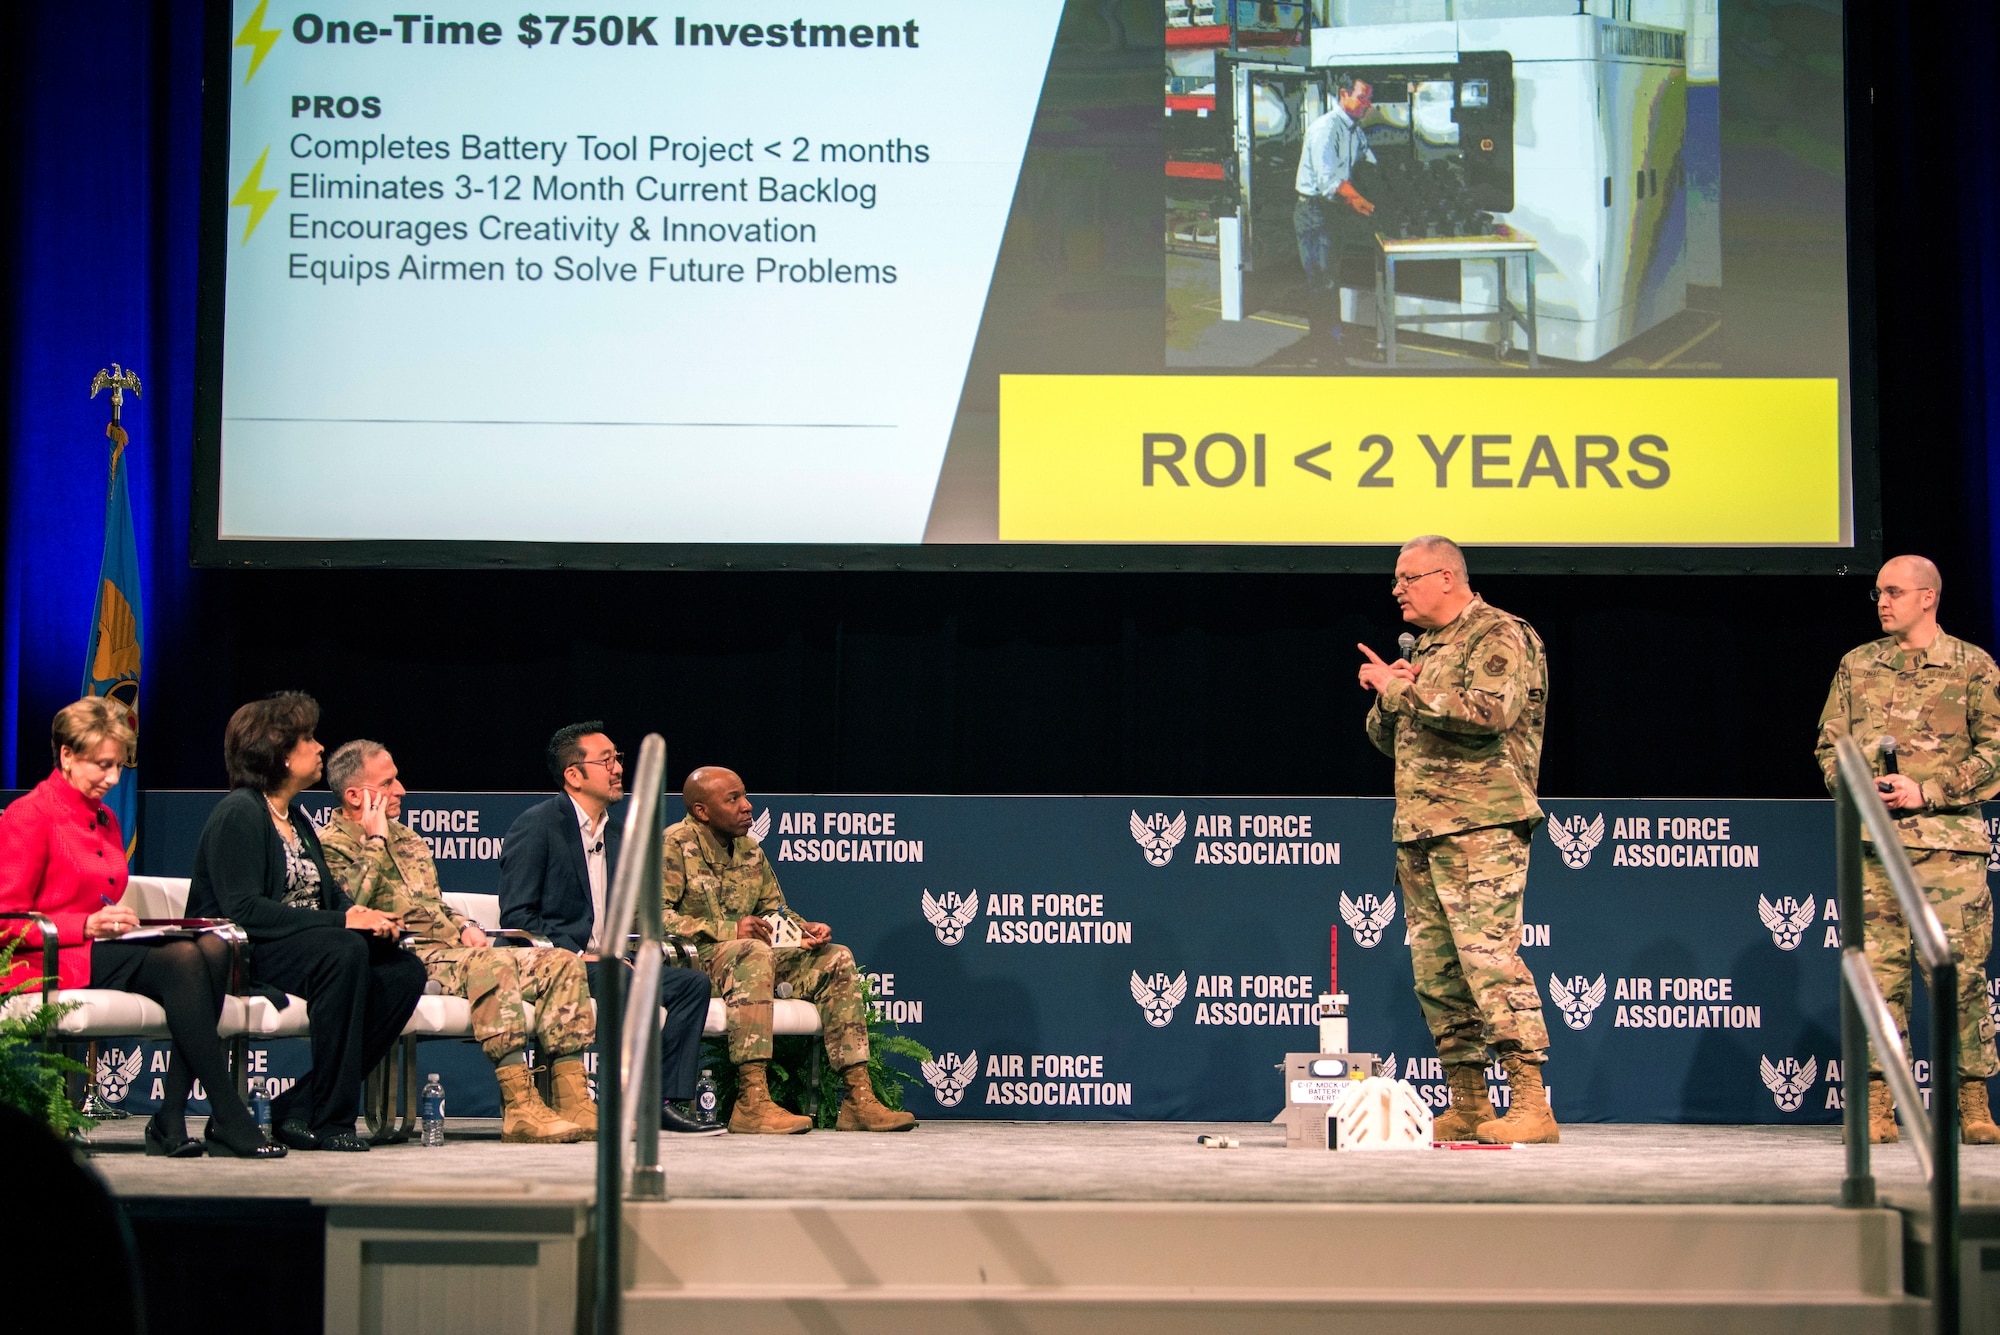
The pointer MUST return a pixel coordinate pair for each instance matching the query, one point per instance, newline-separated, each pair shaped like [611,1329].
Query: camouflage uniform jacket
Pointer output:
[1466,735]
[706,889]
[1942,705]
[396,877]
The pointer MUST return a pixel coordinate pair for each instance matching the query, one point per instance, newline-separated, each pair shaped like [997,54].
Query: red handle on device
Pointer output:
[1333,960]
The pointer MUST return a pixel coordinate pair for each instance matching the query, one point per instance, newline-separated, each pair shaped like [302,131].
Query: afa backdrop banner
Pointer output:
[1078,958]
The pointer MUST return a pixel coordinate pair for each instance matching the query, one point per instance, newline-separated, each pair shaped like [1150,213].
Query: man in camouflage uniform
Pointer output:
[1939,697]
[1464,725]
[384,864]
[719,892]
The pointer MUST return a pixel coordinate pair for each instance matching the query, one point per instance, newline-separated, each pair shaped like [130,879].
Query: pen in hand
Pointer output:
[110,904]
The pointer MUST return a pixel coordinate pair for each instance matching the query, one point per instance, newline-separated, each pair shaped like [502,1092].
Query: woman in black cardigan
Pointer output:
[259,864]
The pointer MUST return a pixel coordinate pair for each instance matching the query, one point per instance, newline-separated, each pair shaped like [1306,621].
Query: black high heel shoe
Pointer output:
[160,1146]
[223,1146]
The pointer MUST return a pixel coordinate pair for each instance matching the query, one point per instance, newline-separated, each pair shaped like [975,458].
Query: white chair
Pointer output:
[101,1013]
[789,1017]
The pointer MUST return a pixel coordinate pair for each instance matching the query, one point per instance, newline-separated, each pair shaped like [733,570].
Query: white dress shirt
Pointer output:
[1333,144]
[593,860]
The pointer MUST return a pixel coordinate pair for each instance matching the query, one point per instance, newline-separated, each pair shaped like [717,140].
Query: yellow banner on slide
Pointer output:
[1369,460]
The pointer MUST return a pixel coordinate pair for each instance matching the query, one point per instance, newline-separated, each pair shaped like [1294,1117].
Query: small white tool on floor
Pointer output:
[1378,1114]
[1216,1142]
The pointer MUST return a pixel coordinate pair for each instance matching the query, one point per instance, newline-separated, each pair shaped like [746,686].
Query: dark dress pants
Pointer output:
[1328,232]
[684,992]
[359,990]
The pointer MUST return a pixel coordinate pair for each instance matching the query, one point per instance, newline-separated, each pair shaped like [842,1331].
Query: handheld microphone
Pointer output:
[1407,643]
[1889,754]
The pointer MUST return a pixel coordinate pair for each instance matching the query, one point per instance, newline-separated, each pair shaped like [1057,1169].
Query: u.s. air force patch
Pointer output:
[1496,665]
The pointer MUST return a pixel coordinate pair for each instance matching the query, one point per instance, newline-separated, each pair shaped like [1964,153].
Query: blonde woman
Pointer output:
[62,855]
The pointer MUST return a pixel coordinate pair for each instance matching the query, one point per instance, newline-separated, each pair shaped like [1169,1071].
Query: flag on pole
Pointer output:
[111,664]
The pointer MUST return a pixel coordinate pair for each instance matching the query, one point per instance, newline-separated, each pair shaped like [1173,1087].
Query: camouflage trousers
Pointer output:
[1955,884]
[746,975]
[1462,901]
[503,984]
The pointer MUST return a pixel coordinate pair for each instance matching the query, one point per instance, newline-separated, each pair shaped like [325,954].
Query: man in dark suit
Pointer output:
[555,879]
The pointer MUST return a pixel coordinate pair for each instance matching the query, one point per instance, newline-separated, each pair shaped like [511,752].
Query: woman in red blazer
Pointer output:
[62,855]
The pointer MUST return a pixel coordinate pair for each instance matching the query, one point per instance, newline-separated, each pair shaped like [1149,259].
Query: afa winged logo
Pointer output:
[1157,996]
[761,826]
[1788,1081]
[1577,998]
[1367,917]
[115,1074]
[1574,839]
[1787,919]
[951,914]
[1386,1068]
[1157,836]
[950,1075]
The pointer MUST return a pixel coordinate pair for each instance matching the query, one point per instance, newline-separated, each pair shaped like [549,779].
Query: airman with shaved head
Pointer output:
[1939,698]
[720,893]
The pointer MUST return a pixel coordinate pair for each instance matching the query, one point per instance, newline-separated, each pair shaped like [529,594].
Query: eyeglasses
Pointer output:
[616,758]
[1892,593]
[1401,580]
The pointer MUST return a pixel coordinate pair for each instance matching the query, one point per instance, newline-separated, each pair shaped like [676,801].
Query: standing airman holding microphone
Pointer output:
[1939,698]
[1461,715]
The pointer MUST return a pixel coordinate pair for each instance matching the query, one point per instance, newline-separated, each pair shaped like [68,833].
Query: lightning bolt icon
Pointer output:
[253,196]
[260,40]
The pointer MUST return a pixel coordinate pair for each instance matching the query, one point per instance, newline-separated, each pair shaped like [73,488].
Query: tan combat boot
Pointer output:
[1469,1104]
[1528,1120]
[860,1110]
[755,1114]
[1881,1112]
[571,1088]
[524,1118]
[1975,1122]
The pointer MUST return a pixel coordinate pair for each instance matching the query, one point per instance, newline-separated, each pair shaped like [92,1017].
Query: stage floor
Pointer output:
[1096,1161]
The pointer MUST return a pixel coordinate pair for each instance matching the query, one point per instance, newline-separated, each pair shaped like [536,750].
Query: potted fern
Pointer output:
[33,1072]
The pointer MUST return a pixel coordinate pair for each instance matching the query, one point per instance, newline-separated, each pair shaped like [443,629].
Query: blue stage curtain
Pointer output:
[102,269]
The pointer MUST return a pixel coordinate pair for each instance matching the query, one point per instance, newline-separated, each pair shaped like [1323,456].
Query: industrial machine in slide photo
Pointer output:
[1561,134]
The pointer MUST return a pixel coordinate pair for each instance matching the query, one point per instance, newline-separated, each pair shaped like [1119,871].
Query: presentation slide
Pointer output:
[960,282]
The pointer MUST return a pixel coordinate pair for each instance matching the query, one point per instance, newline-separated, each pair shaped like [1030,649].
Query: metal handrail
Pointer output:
[628,1038]
[1895,1061]
[1864,1014]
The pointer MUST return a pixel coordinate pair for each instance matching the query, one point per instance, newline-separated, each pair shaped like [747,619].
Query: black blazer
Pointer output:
[239,871]
[544,881]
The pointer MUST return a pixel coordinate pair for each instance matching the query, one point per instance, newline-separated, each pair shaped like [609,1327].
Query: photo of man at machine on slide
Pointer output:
[1357,185]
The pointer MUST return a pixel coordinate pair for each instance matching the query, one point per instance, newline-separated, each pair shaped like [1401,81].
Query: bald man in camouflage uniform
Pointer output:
[1464,725]
[1939,697]
[384,864]
[719,892]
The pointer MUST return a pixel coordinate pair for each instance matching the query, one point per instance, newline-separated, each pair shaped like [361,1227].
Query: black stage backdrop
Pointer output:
[898,682]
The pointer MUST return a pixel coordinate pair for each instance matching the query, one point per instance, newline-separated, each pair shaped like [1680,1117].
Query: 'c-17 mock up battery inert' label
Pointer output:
[1582,461]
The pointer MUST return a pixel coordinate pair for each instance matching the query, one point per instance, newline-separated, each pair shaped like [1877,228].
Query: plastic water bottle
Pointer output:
[260,1104]
[433,1111]
[705,1099]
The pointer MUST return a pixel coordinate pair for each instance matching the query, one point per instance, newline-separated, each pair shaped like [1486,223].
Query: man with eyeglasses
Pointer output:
[555,880]
[1463,723]
[1939,697]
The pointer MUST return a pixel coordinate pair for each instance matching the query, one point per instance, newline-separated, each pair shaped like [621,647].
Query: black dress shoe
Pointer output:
[294,1132]
[161,1145]
[223,1146]
[673,1119]
[342,1142]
